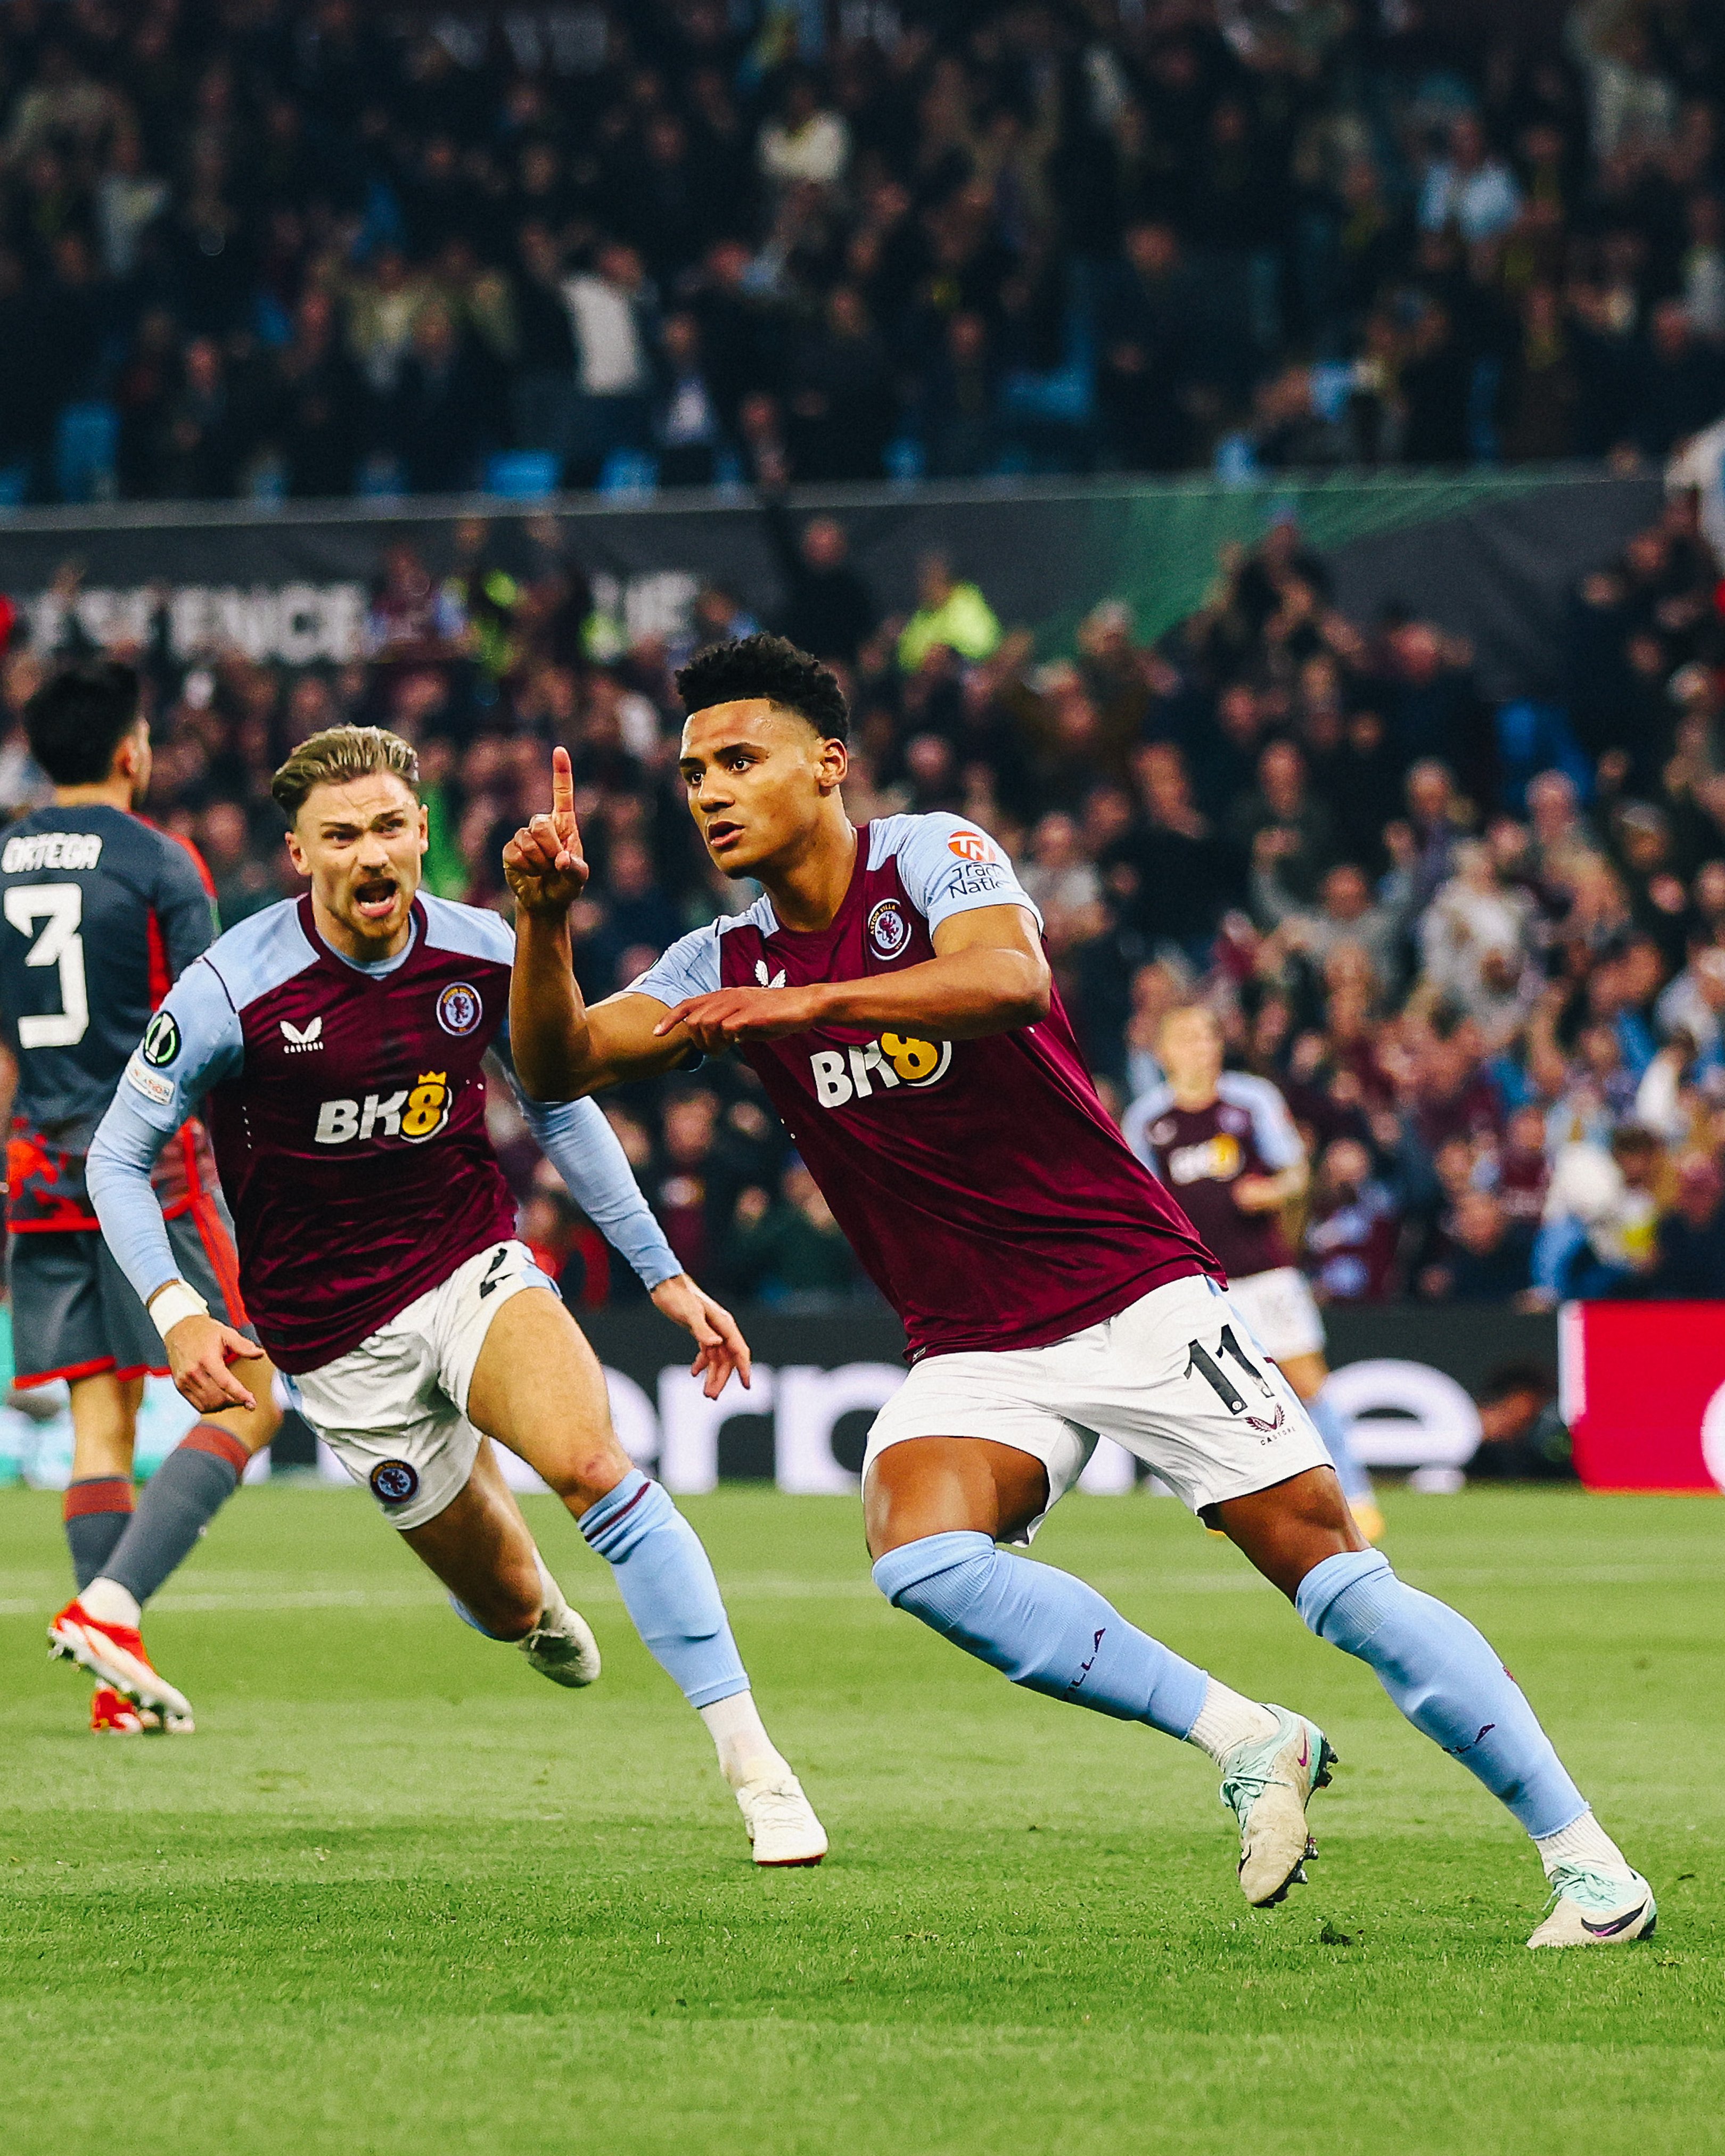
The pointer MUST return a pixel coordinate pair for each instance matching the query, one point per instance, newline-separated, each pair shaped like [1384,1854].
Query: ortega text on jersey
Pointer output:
[101,914]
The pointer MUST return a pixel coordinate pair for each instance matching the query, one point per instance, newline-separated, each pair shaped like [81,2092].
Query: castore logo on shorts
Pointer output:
[417,1113]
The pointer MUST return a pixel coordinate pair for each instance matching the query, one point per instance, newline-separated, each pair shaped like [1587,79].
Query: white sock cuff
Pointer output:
[745,1749]
[1226,1719]
[110,1603]
[1582,1842]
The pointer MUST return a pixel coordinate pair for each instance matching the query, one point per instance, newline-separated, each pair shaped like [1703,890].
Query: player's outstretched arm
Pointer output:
[989,974]
[562,1049]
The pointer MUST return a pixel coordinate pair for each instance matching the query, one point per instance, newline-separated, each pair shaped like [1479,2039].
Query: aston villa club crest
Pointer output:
[889,931]
[459,1008]
[394,1482]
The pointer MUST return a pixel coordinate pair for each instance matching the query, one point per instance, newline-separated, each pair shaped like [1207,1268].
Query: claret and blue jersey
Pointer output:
[348,1104]
[982,1183]
[1201,1153]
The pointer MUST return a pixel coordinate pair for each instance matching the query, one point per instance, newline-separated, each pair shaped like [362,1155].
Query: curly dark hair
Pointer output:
[769,667]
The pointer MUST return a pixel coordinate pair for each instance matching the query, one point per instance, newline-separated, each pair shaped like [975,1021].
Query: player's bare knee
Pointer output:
[582,1473]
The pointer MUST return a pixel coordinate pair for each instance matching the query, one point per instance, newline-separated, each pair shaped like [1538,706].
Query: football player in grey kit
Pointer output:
[340,1039]
[890,989]
[102,913]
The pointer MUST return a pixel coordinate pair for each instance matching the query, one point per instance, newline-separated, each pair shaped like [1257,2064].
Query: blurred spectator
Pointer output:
[1482,1258]
[1469,188]
[790,1249]
[1690,1263]
[610,308]
[1352,1229]
[830,607]
[1599,1234]
[948,613]
[803,143]
[1521,1436]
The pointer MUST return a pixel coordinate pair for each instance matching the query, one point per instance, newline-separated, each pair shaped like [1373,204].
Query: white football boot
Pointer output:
[561,1646]
[1269,1781]
[1595,1908]
[780,1820]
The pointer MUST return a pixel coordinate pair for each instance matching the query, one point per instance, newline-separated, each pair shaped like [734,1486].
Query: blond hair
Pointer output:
[337,755]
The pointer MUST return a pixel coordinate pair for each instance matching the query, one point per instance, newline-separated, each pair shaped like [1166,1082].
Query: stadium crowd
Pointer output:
[1481,950]
[261,247]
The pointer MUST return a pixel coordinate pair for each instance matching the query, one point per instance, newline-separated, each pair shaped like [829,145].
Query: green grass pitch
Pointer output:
[398,1894]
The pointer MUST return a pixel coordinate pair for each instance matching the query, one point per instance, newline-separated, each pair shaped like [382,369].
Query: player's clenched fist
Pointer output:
[544,863]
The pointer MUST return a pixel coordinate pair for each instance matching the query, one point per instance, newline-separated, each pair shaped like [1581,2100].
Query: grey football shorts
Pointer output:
[75,1314]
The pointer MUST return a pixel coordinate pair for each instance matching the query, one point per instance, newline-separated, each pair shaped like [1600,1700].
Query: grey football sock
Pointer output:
[176,1505]
[97,1513]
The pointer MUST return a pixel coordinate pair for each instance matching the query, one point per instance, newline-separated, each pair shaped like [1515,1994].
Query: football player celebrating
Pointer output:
[340,1040]
[1224,1143]
[890,989]
[102,913]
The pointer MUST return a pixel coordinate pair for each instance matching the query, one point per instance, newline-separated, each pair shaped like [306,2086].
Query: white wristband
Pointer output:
[170,1304]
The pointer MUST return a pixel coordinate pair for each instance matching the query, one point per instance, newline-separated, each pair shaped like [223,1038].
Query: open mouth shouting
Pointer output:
[375,898]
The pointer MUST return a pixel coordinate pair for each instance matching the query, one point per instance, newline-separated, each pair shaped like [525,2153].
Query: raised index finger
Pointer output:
[562,784]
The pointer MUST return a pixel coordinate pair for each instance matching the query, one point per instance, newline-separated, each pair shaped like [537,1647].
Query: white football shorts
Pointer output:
[1279,1307]
[393,1410]
[1176,1378]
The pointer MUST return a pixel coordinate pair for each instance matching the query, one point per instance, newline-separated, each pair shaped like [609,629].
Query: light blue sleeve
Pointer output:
[1272,1126]
[1135,1124]
[193,1043]
[690,968]
[582,1147]
[949,866]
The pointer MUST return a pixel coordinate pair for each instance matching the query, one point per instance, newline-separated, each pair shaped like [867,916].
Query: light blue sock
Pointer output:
[1446,1678]
[1043,1628]
[666,1582]
[1333,1430]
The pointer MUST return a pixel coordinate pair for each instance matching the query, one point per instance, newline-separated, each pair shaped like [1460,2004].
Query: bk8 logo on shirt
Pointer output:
[415,1113]
[841,1074]
[1217,1160]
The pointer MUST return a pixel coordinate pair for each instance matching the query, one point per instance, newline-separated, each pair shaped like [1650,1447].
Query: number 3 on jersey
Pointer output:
[61,905]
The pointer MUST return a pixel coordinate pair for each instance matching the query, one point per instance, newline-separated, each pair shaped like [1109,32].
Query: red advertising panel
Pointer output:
[1644,1394]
